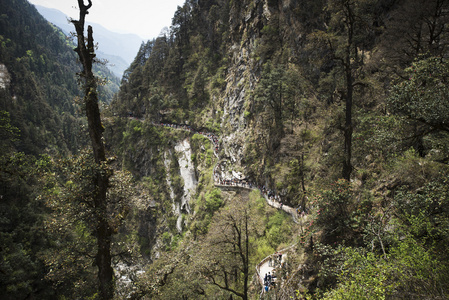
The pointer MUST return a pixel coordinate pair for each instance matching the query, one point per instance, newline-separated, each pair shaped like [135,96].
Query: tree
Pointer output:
[347,36]
[275,96]
[180,23]
[270,98]
[424,213]
[8,132]
[21,235]
[363,276]
[422,101]
[415,27]
[334,214]
[103,231]
[172,276]
[229,246]
[73,222]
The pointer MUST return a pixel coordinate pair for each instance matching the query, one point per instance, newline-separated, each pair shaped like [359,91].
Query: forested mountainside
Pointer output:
[339,107]
[307,138]
[41,67]
[41,119]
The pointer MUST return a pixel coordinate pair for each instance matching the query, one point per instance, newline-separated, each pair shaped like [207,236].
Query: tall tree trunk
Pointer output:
[303,182]
[103,232]
[246,259]
[348,128]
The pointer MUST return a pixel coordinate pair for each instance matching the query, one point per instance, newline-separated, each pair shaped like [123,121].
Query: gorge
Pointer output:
[307,135]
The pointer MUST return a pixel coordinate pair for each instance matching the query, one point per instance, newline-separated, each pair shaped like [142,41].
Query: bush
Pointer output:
[213,200]
[334,212]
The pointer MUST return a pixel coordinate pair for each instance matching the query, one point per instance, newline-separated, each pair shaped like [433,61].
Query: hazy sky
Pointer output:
[145,18]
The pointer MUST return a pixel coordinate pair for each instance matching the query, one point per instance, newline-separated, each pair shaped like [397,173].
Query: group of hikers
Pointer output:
[270,194]
[269,281]
[301,212]
[270,278]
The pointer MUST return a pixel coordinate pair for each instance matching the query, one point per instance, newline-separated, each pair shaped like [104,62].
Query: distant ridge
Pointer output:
[118,48]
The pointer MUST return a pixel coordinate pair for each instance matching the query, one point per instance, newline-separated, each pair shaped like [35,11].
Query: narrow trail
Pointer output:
[272,198]
[272,263]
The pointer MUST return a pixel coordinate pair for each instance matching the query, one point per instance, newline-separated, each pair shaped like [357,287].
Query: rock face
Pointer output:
[4,76]
[243,73]
[187,173]
[187,170]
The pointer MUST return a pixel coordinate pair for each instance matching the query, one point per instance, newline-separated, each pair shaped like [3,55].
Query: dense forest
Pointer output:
[310,131]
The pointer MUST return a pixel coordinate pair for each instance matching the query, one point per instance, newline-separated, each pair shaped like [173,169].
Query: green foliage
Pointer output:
[264,249]
[167,239]
[418,270]
[213,200]
[178,86]
[69,196]
[270,98]
[414,262]
[377,135]
[268,44]
[198,143]
[278,229]
[40,95]
[292,84]
[230,245]
[423,97]
[8,132]
[422,102]
[414,171]
[138,139]
[424,214]
[22,234]
[410,270]
[334,212]
[363,276]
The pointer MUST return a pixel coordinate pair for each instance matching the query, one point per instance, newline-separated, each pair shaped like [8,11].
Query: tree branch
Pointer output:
[226,288]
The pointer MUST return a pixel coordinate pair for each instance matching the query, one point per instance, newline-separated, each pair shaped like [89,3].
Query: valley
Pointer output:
[308,139]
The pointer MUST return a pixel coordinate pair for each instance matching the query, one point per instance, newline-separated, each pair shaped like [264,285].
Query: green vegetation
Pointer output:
[340,107]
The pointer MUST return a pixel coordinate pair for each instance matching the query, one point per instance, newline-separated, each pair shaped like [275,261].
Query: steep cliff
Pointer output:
[307,138]
[299,94]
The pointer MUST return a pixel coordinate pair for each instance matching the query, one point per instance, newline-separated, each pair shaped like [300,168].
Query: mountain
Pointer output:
[43,84]
[272,149]
[42,66]
[338,109]
[118,49]
[41,122]
[39,118]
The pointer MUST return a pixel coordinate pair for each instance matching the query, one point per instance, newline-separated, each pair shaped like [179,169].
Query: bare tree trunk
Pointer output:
[348,128]
[103,232]
[246,259]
